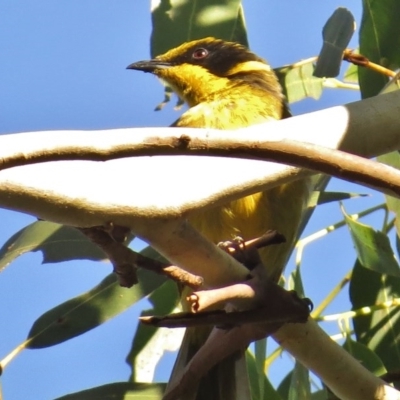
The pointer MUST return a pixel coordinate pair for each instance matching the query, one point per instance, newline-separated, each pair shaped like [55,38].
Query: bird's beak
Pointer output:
[149,65]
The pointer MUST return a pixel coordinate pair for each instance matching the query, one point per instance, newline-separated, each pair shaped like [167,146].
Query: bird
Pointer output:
[227,87]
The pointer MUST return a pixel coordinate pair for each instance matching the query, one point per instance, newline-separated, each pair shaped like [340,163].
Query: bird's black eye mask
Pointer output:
[218,57]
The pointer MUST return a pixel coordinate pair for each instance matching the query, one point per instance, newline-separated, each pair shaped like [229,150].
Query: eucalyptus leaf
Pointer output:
[120,391]
[260,351]
[90,309]
[392,159]
[379,42]
[398,245]
[379,330]
[351,74]
[57,243]
[394,84]
[269,393]
[300,383]
[296,282]
[284,385]
[372,247]
[368,358]
[321,197]
[299,82]
[321,395]
[336,35]
[186,20]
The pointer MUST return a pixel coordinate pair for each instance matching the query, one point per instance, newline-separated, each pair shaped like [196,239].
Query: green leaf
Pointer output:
[319,183]
[296,282]
[351,74]
[151,253]
[380,330]
[284,386]
[336,34]
[398,244]
[120,391]
[379,42]
[260,347]
[365,356]
[320,395]
[56,242]
[393,85]
[300,383]
[318,198]
[254,377]
[393,203]
[298,81]
[328,197]
[164,299]
[239,34]
[90,309]
[372,247]
[186,20]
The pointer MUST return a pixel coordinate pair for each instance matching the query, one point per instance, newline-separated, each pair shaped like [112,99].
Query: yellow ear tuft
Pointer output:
[249,66]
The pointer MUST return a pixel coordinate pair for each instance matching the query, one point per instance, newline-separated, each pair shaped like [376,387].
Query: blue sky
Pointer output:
[63,67]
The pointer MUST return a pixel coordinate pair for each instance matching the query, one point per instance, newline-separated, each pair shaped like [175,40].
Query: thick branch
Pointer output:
[64,191]
[317,158]
[360,121]
[344,375]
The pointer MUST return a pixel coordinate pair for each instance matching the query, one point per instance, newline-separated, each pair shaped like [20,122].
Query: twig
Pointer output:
[359,59]
[270,303]
[125,261]
[333,83]
[200,301]
[267,315]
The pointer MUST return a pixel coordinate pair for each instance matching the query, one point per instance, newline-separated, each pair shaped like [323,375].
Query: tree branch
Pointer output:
[79,186]
[344,375]
[125,261]
[317,158]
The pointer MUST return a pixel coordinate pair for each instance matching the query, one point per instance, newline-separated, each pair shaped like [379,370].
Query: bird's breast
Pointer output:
[279,208]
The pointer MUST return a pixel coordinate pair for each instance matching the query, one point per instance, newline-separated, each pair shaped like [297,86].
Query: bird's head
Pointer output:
[199,69]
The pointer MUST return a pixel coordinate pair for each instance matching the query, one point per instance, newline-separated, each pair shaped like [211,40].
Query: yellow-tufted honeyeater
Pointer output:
[227,87]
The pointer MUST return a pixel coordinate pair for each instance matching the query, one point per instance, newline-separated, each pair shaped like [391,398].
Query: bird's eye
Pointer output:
[199,54]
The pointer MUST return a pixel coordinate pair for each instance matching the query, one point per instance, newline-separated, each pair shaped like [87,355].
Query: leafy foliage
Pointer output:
[379,42]
[188,20]
[89,310]
[378,330]
[56,242]
[373,248]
